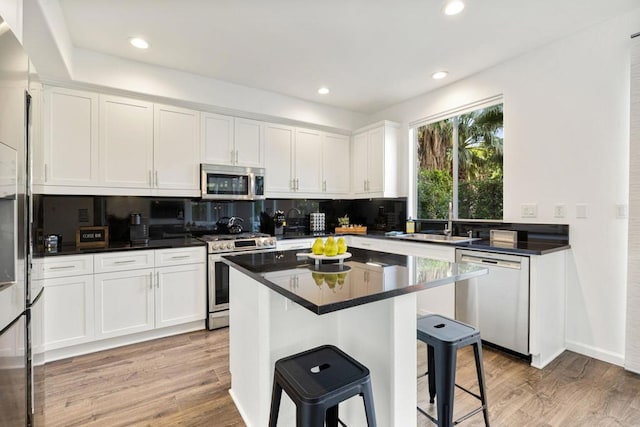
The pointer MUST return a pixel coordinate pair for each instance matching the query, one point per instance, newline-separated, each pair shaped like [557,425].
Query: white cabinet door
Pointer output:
[217,139]
[68,311]
[180,294]
[70,137]
[124,302]
[278,158]
[359,163]
[336,164]
[249,146]
[308,161]
[375,160]
[126,142]
[37,135]
[176,150]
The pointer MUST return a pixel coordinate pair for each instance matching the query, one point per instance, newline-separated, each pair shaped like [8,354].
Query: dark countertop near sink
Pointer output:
[181,242]
[527,247]
[366,277]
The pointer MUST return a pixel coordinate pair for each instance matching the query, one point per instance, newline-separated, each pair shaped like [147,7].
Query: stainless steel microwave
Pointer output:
[219,182]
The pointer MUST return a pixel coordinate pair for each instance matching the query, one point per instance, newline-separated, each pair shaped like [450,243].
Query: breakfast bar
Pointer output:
[283,303]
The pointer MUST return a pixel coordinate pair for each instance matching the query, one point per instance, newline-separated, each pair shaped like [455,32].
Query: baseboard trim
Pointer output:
[239,408]
[596,353]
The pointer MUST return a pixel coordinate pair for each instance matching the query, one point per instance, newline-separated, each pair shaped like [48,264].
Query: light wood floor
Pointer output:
[183,381]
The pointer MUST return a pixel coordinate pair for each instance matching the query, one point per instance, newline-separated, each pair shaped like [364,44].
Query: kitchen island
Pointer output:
[282,303]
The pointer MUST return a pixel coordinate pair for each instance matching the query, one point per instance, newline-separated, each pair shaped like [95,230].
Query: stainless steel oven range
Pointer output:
[218,276]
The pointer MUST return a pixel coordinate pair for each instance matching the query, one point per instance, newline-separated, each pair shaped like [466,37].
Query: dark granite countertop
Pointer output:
[366,277]
[526,247]
[124,246]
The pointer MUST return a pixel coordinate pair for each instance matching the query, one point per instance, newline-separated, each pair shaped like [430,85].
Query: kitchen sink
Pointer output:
[436,238]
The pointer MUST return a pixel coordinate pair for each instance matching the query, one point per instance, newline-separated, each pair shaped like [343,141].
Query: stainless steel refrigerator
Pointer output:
[15,359]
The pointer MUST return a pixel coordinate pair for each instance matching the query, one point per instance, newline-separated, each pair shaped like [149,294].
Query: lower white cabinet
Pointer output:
[124,302]
[130,292]
[180,294]
[68,311]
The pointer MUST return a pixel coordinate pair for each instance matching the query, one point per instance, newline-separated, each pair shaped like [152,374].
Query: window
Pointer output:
[459,160]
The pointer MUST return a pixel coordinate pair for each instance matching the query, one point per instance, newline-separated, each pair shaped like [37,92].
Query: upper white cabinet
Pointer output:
[176,150]
[231,141]
[305,162]
[70,140]
[375,171]
[126,142]
[335,164]
[278,161]
[249,143]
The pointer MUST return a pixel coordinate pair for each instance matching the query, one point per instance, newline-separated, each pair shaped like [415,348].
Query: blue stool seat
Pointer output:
[444,337]
[317,380]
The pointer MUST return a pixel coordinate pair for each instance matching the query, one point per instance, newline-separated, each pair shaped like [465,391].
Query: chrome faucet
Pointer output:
[448,229]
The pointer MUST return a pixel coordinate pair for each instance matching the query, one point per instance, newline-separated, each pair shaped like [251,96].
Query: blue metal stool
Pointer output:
[444,337]
[317,380]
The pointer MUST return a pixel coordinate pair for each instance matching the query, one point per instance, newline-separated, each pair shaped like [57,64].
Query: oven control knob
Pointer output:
[215,246]
[229,245]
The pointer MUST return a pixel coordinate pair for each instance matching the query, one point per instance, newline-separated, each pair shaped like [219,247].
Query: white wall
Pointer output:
[566,121]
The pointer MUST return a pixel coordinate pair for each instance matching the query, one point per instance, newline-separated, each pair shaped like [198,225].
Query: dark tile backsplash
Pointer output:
[172,217]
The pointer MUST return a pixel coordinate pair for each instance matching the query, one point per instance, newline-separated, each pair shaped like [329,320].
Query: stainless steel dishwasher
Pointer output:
[496,303]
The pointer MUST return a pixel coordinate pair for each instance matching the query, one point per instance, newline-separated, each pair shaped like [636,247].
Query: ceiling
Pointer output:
[370,53]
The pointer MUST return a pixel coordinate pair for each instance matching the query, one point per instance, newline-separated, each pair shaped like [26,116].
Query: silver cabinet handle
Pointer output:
[231,158]
[127,261]
[158,279]
[365,185]
[297,184]
[46,175]
[236,156]
[150,280]
[61,267]
[157,181]
[181,257]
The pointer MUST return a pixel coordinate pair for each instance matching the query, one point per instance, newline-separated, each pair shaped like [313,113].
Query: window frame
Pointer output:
[412,200]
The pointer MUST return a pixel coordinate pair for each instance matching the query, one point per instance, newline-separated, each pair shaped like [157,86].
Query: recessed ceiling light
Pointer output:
[439,75]
[139,43]
[323,90]
[453,7]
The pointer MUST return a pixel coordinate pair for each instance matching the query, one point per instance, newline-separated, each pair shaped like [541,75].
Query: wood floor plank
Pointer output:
[184,381]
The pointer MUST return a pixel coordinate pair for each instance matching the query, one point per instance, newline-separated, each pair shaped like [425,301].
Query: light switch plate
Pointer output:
[529,210]
[581,210]
[560,210]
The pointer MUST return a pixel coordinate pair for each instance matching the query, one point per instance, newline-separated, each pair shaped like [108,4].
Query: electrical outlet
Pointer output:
[529,210]
[559,210]
[581,210]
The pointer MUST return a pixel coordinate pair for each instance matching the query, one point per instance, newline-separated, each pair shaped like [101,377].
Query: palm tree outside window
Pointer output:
[469,172]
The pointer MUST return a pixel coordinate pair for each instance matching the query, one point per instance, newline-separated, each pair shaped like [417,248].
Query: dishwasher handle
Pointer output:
[470,259]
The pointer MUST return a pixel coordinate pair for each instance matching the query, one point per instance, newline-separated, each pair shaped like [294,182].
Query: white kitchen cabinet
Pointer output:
[176,151]
[307,161]
[278,161]
[290,244]
[180,294]
[131,297]
[217,139]
[248,143]
[375,168]
[68,155]
[68,311]
[126,143]
[336,165]
[124,302]
[232,141]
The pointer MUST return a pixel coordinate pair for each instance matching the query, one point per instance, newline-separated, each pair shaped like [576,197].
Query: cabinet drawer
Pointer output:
[121,261]
[64,266]
[177,256]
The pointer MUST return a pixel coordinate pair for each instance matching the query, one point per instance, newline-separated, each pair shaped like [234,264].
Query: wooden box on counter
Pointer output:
[92,237]
[351,230]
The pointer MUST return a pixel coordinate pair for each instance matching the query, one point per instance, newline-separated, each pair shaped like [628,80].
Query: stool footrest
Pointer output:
[458,421]
[469,391]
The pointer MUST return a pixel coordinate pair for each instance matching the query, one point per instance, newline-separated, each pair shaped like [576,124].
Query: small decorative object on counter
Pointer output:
[351,229]
[343,221]
[92,237]
[411,226]
[342,246]
[318,247]
[52,242]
